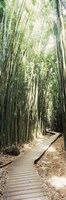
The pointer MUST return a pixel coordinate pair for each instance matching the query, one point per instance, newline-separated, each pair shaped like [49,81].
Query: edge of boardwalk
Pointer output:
[49,142]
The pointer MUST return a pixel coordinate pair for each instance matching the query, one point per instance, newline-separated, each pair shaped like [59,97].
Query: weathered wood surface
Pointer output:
[23,181]
[44,145]
[52,132]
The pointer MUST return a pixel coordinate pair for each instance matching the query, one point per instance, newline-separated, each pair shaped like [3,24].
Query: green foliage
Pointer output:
[33,1]
[30,89]
[2,5]
[59,30]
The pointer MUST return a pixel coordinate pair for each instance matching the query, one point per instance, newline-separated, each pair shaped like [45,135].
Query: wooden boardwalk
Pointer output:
[23,181]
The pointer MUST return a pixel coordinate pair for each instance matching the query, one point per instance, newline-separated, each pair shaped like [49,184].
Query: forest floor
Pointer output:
[51,168]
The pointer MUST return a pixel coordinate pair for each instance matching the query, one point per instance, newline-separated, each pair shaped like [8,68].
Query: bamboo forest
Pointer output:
[32,99]
[32,69]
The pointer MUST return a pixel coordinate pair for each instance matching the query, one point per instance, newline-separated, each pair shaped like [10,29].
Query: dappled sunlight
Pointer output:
[51,43]
[58,182]
[51,149]
[32,96]
[26,146]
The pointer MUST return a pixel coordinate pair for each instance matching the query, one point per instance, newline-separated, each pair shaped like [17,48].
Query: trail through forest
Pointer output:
[33,86]
[32,69]
[50,165]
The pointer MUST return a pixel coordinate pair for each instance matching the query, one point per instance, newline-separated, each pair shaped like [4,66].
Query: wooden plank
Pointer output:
[23,192]
[21,177]
[24,196]
[31,198]
[23,181]
[44,145]
[23,188]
